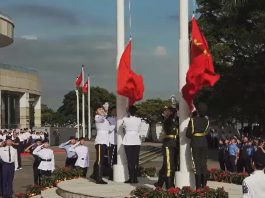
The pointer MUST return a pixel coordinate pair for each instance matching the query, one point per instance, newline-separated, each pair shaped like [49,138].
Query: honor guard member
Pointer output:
[253,186]
[8,156]
[196,131]
[36,163]
[112,118]
[101,143]
[132,142]
[46,166]
[169,148]
[82,155]
[71,155]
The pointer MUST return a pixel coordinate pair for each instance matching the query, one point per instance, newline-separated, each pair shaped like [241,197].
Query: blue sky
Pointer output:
[57,37]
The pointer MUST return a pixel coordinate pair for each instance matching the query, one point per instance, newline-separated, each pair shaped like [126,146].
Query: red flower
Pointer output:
[159,189]
[206,188]
[202,194]
[173,190]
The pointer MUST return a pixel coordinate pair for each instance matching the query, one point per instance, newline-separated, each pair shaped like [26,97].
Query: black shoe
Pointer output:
[128,181]
[92,177]
[101,182]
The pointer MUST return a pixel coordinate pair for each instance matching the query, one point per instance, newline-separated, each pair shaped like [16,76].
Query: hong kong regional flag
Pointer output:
[85,87]
[129,84]
[201,71]
[78,80]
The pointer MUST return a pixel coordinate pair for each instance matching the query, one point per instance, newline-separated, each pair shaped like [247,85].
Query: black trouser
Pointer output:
[36,173]
[101,150]
[232,163]
[112,159]
[167,172]
[84,171]
[132,154]
[8,170]
[199,154]
[44,173]
[70,162]
[222,163]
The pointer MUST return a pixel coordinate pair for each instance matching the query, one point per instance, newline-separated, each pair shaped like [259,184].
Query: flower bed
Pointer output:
[226,177]
[58,175]
[185,192]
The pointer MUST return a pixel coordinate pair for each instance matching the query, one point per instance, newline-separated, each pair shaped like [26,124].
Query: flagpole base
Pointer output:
[120,173]
[183,178]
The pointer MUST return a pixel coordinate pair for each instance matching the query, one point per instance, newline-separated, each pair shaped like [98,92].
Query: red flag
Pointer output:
[129,84]
[85,87]
[201,71]
[78,80]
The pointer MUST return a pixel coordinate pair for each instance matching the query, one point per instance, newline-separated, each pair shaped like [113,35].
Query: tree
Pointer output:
[98,95]
[236,37]
[151,110]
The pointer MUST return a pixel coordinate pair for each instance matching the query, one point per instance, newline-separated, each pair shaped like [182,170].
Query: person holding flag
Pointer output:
[200,74]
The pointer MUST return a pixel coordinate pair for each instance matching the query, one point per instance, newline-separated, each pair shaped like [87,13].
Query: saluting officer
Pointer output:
[196,131]
[112,118]
[46,166]
[169,148]
[36,163]
[71,155]
[9,161]
[101,143]
[132,142]
[82,155]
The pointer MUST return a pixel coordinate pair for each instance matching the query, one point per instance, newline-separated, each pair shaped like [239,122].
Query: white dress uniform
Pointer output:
[4,155]
[112,133]
[103,128]
[47,158]
[82,155]
[254,185]
[132,127]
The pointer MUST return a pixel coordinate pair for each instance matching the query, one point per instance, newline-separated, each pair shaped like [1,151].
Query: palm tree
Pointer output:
[236,3]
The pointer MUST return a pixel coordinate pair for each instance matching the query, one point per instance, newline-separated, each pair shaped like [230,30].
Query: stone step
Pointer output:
[50,193]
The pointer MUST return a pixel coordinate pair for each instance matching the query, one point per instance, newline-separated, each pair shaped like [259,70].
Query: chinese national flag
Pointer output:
[201,71]
[78,80]
[129,84]
[85,87]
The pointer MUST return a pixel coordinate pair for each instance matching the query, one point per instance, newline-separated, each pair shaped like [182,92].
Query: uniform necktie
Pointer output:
[9,154]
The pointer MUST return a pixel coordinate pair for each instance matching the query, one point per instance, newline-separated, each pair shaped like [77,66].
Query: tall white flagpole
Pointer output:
[184,177]
[88,109]
[120,171]
[77,112]
[83,104]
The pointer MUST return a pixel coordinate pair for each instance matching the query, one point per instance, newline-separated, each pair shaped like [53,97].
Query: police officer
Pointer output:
[253,186]
[36,162]
[46,166]
[169,148]
[112,118]
[71,155]
[132,142]
[196,131]
[82,155]
[101,142]
[9,161]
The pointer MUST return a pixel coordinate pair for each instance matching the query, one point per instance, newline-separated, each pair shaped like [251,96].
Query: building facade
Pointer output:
[20,97]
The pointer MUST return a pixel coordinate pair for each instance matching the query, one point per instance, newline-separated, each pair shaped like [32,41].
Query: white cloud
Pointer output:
[29,37]
[160,51]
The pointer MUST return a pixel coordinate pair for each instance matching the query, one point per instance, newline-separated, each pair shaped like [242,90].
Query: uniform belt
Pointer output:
[46,160]
[199,134]
[170,136]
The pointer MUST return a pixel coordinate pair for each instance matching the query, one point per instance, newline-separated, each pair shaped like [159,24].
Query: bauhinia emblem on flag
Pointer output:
[78,80]
[201,71]
[85,87]
[129,84]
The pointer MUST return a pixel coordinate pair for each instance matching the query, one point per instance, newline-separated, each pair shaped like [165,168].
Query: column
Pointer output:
[8,111]
[24,111]
[120,171]
[37,112]
[184,177]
